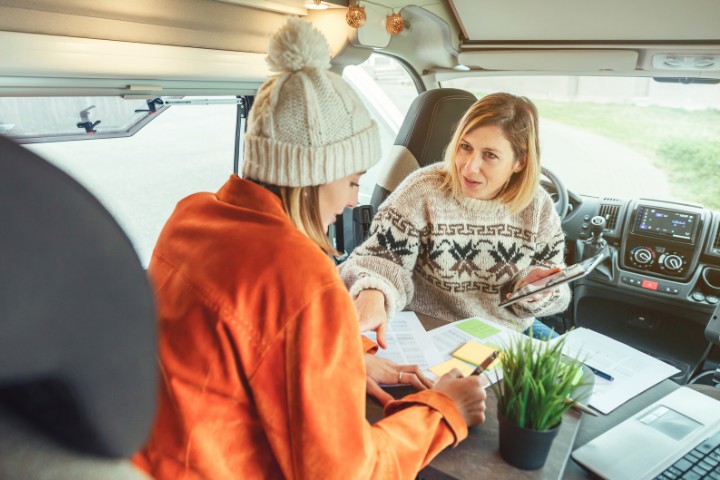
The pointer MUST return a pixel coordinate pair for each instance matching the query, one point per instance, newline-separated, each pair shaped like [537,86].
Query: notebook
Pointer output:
[657,438]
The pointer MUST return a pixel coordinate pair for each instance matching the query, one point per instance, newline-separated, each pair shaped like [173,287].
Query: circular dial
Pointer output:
[642,257]
[672,261]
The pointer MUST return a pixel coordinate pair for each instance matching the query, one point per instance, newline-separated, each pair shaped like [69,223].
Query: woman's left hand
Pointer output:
[533,276]
[381,371]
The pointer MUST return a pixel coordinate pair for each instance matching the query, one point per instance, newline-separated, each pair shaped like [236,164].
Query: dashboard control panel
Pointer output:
[662,239]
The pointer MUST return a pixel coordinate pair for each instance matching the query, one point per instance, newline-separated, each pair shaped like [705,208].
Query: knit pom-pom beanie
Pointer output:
[307,126]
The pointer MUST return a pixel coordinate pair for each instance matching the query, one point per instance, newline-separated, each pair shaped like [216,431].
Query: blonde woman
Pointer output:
[456,237]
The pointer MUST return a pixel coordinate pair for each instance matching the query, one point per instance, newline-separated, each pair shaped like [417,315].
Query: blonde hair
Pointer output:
[517,117]
[302,205]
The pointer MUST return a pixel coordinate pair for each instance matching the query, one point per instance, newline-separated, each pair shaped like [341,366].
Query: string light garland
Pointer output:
[356,16]
[394,23]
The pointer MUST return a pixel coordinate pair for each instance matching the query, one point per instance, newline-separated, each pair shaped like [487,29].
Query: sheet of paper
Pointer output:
[452,336]
[633,371]
[408,343]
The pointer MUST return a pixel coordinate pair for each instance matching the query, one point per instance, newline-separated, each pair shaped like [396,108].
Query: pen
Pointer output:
[581,407]
[485,363]
[600,373]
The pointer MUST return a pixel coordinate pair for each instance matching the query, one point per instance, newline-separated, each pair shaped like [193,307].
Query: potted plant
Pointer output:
[532,397]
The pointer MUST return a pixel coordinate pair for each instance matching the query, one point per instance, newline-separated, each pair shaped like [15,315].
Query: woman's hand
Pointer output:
[381,371]
[468,393]
[533,276]
[370,306]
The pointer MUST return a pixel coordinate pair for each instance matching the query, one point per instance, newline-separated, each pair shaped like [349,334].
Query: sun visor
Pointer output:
[551,60]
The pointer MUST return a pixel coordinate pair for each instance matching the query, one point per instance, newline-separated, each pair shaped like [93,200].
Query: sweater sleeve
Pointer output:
[325,376]
[550,253]
[385,261]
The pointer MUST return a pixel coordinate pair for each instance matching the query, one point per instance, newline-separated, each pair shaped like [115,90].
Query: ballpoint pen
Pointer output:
[485,363]
[600,373]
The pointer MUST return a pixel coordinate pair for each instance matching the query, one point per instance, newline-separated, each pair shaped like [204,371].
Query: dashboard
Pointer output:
[659,248]
[660,284]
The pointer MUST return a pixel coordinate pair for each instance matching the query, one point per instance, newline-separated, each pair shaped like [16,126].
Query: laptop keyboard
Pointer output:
[700,462]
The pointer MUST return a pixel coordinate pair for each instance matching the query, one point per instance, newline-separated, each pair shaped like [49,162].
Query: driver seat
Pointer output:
[423,136]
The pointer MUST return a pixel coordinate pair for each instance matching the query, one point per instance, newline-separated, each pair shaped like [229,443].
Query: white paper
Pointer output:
[633,371]
[408,343]
[450,337]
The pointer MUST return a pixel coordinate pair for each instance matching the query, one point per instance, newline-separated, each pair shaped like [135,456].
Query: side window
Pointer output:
[387,89]
[185,148]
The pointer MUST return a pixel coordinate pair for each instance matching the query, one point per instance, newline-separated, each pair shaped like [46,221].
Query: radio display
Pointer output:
[666,223]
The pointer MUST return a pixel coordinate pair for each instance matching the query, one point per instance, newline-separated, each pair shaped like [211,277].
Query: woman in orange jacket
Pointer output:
[259,348]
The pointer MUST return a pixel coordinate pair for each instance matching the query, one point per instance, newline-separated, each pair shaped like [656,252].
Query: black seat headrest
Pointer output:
[77,318]
[423,136]
[431,121]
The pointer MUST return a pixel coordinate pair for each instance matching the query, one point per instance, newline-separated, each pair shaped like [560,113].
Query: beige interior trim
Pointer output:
[396,166]
[50,56]
[191,23]
[551,60]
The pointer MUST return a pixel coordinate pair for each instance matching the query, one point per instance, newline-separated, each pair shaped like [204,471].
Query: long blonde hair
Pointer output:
[517,117]
[302,205]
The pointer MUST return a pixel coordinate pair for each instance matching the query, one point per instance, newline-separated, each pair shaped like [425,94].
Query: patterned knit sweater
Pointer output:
[453,258]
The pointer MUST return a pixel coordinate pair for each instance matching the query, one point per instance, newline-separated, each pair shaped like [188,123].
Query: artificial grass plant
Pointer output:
[537,383]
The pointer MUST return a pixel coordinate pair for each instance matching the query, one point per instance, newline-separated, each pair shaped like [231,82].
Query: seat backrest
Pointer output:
[423,136]
[77,326]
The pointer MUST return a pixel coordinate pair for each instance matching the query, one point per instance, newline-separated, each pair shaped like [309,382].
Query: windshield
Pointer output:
[623,137]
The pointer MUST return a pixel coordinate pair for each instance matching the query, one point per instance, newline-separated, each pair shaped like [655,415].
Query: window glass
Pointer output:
[43,119]
[139,179]
[387,89]
[623,137]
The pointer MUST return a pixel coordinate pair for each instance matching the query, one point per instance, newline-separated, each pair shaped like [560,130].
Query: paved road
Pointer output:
[595,165]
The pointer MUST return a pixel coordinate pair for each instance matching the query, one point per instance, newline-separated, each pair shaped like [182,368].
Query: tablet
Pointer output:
[568,274]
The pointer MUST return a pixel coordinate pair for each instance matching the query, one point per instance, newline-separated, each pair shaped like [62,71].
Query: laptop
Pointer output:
[684,422]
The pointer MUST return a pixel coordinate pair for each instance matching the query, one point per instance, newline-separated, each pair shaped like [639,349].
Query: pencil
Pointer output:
[581,407]
[485,363]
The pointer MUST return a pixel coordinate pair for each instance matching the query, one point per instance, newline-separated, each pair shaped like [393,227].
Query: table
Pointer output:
[478,456]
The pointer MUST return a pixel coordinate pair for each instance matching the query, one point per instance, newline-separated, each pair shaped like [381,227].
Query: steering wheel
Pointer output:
[557,191]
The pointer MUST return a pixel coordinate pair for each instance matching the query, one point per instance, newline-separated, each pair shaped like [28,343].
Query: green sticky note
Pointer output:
[478,328]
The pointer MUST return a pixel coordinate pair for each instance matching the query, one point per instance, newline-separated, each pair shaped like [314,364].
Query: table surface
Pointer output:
[478,456]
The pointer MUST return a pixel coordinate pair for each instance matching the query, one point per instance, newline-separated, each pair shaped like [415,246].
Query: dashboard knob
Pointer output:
[672,262]
[642,256]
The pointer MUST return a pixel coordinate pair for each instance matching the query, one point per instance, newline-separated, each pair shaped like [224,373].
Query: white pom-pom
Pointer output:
[298,45]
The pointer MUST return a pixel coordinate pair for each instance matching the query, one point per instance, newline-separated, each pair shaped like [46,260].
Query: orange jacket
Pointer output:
[261,358]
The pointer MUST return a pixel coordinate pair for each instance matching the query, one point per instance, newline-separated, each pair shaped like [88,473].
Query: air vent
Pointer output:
[610,212]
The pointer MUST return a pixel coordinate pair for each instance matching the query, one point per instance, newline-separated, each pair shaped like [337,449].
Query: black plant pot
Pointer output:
[523,447]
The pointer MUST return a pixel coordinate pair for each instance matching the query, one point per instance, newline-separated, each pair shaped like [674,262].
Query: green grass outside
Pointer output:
[683,144]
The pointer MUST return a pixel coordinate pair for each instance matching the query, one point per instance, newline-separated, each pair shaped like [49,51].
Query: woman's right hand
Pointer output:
[370,306]
[468,393]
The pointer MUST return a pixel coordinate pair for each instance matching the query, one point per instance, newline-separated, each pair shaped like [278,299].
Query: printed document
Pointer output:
[408,343]
[452,336]
[632,371]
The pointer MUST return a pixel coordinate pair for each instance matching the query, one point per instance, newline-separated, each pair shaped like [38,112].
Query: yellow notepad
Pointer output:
[474,353]
[444,367]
